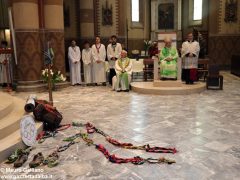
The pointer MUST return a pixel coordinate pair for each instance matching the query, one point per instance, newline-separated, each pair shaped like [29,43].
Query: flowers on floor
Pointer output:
[56,76]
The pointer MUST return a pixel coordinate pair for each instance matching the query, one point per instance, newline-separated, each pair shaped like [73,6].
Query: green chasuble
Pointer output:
[123,68]
[168,69]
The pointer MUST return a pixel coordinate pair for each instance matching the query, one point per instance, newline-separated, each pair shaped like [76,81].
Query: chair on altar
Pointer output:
[214,79]
[148,68]
[137,67]
[114,79]
[159,83]
[157,68]
[203,68]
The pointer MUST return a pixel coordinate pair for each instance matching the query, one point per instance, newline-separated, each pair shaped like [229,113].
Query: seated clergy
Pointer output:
[123,68]
[168,61]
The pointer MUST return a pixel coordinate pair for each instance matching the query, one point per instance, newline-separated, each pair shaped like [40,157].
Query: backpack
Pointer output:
[47,114]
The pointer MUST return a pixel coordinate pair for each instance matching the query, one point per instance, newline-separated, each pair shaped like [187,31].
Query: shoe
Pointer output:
[14,156]
[37,160]
[21,160]
[52,160]
[104,84]
[127,90]
[118,90]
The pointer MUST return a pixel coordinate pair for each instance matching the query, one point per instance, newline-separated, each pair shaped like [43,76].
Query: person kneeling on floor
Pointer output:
[123,68]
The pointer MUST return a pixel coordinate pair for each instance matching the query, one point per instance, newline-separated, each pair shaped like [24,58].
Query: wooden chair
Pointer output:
[203,68]
[214,79]
[148,68]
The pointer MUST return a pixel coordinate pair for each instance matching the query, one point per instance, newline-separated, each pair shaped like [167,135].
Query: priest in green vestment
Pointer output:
[123,68]
[168,61]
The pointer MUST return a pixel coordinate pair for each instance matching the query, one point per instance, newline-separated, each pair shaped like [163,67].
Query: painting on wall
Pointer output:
[107,15]
[231,11]
[166,16]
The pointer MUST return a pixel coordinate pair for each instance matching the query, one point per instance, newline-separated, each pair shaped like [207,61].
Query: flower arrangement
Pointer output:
[147,44]
[56,76]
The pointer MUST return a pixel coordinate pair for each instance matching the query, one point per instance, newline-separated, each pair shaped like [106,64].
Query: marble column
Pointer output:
[54,31]
[87,19]
[26,24]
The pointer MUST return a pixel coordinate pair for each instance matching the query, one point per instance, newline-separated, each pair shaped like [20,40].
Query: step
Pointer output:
[6,104]
[13,141]
[160,83]
[11,122]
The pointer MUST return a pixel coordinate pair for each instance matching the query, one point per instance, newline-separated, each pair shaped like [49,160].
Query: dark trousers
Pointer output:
[189,75]
[112,73]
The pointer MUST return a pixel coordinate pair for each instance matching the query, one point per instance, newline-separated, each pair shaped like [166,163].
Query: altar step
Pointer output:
[38,86]
[166,88]
[6,105]
[159,83]
[11,112]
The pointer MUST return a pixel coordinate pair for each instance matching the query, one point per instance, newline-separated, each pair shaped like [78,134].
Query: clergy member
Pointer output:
[99,56]
[88,63]
[5,65]
[190,52]
[168,61]
[74,55]
[123,68]
[113,53]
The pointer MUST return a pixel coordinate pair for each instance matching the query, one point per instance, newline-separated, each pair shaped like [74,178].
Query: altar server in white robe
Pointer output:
[88,63]
[123,68]
[114,50]
[74,55]
[5,65]
[99,56]
[190,53]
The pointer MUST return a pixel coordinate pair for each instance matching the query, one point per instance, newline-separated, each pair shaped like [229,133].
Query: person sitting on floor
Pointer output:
[123,68]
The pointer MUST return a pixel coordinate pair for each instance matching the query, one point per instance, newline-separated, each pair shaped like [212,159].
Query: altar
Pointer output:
[159,87]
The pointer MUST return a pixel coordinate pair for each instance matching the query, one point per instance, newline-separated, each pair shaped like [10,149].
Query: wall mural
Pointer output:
[107,15]
[231,11]
[166,16]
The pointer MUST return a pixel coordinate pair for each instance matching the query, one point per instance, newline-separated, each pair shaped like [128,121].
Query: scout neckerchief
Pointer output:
[98,48]
[114,47]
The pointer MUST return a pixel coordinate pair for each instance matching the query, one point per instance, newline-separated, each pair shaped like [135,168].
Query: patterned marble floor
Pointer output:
[205,128]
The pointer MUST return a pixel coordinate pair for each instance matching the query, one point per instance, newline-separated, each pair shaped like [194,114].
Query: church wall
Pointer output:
[137,35]
[187,16]
[91,22]
[70,32]
[108,30]
[224,38]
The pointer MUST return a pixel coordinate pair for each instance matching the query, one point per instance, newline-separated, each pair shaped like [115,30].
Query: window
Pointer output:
[197,10]
[135,11]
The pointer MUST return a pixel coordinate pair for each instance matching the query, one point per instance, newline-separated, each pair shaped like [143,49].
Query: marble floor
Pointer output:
[205,128]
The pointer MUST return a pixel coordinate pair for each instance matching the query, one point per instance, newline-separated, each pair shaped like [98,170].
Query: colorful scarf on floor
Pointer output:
[92,129]
[113,158]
